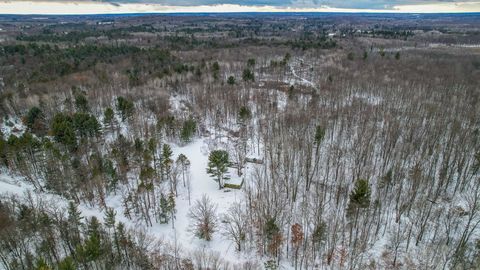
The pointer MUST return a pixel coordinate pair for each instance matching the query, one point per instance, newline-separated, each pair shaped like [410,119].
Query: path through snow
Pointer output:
[303,80]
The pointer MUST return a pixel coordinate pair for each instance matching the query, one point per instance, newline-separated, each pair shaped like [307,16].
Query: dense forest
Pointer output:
[239,142]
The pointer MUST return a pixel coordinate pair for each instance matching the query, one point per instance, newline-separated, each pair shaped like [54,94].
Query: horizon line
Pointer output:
[104,8]
[243,12]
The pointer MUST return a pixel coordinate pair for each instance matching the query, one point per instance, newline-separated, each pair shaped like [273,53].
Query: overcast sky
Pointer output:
[163,6]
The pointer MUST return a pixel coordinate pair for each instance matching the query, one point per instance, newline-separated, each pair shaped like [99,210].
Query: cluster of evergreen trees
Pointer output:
[45,63]
[34,234]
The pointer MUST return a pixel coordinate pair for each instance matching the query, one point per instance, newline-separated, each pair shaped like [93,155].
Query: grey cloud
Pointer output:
[369,4]
[209,2]
[352,4]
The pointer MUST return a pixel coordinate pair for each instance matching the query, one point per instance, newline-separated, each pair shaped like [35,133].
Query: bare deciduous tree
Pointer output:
[235,225]
[204,218]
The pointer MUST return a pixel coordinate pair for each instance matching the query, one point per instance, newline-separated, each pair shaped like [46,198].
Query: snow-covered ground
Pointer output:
[364,97]
[11,185]
[297,66]
[201,183]
[180,234]
[12,126]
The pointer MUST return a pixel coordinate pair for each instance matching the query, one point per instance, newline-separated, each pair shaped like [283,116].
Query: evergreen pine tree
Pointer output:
[42,265]
[108,117]
[74,222]
[183,163]
[218,166]
[231,80]
[164,209]
[359,197]
[109,220]
[167,161]
[67,264]
[92,248]
[248,75]
[125,107]
[81,102]
[35,121]
[188,130]
[63,130]
[244,114]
